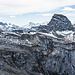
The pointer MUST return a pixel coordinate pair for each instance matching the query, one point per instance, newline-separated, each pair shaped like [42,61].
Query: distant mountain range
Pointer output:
[28,27]
[9,27]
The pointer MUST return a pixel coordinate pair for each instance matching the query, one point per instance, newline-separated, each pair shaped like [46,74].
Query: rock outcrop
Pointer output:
[58,23]
[38,53]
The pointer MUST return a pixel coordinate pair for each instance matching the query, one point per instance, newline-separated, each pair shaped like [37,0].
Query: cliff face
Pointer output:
[37,53]
[58,23]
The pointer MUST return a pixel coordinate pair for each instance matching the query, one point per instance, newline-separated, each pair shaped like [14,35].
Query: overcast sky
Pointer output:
[22,12]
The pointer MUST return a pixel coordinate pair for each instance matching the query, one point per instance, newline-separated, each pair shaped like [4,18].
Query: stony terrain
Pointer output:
[48,51]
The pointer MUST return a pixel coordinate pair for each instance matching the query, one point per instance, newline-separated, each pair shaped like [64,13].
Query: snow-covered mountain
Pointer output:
[28,27]
[9,27]
[31,24]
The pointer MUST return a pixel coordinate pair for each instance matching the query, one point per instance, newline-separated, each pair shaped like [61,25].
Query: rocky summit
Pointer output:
[58,23]
[50,50]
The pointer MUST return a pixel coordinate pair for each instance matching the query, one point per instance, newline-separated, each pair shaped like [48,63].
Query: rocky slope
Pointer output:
[44,52]
[58,23]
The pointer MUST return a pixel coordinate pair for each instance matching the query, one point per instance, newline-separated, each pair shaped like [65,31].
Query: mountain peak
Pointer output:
[1,23]
[60,22]
[60,17]
[31,23]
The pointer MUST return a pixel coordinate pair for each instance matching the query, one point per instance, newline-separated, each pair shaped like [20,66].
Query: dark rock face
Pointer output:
[43,28]
[18,31]
[1,30]
[37,54]
[1,23]
[58,23]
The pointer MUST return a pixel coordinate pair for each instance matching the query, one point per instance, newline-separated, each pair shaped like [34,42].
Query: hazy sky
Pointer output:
[22,12]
